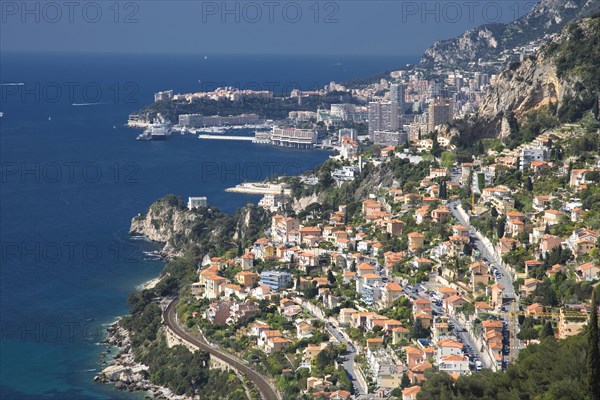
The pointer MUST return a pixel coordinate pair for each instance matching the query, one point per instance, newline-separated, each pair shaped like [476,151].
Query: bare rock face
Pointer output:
[169,221]
[303,202]
[165,223]
[521,88]
[537,81]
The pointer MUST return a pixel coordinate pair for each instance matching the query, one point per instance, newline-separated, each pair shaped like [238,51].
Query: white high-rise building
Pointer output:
[383,116]
[397,92]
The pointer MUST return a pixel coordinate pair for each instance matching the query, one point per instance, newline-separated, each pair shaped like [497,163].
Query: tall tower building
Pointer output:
[383,116]
[440,110]
[397,91]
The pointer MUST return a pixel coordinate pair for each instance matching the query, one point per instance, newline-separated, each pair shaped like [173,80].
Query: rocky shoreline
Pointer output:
[125,372]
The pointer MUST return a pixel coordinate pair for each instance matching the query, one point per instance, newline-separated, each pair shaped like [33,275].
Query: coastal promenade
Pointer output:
[265,388]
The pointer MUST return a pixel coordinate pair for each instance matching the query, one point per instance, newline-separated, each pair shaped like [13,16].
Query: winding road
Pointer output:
[265,388]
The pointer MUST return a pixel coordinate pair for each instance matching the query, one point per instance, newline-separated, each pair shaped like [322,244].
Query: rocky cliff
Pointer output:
[168,221]
[564,73]
[488,41]
[165,223]
[519,89]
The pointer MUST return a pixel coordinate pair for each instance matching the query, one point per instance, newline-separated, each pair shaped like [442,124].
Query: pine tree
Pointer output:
[593,359]
[500,230]
[330,277]
[419,330]
[547,331]
[405,382]
[443,190]
[480,148]
[529,184]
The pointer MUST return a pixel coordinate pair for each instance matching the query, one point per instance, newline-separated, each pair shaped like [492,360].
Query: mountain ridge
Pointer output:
[488,41]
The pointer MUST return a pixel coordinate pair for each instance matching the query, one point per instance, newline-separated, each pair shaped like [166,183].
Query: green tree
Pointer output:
[500,228]
[436,387]
[418,330]
[330,277]
[529,184]
[547,330]
[405,382]
[448,159]
[326,358]
[443,190]
[480,181]
[436,150]
[593,358]
[527,331]
[310,291]
[564,390]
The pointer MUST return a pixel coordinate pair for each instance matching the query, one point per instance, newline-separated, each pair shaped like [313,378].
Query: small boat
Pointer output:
[49,118]
[143,136]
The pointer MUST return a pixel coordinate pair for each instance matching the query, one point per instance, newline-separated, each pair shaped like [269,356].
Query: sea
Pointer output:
[73,176]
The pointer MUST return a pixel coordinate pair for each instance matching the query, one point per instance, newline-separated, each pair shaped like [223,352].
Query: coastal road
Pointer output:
[505,279]
[265,388]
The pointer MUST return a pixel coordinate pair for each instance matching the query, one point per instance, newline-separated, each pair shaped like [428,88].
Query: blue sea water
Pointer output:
[72,177]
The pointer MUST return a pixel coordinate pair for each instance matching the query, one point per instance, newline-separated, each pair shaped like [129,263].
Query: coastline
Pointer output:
[112,139]
[122,369]
[149,284]
[125,372]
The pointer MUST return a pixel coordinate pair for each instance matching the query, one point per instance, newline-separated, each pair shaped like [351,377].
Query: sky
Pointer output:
[344,27]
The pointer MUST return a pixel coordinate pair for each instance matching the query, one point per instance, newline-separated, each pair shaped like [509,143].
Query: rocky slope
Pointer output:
[168,221]
[372,179]
[125,372]
[488,41]
[562,73]
[165,223]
